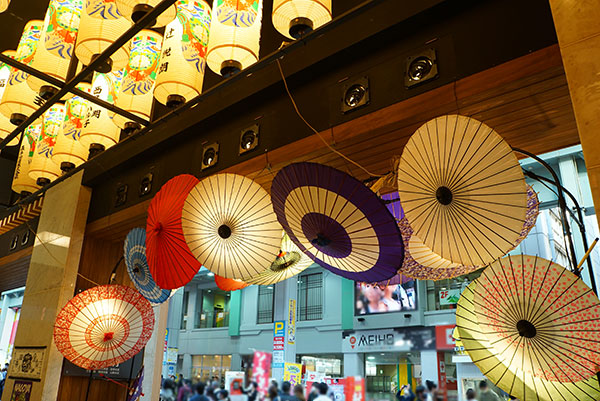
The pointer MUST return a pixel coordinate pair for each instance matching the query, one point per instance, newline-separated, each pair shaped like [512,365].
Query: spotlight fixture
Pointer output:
[121,194]
[420,68]
[249,139]
[25,238]
[210,155]
[146,184]
[355,94]
[14,242]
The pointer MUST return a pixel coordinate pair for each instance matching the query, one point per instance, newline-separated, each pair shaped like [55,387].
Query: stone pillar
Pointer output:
[236,362]
[186,369]
[429,366]
[354,364]
[284,292]
[153,354]
[51,278]
[578,31]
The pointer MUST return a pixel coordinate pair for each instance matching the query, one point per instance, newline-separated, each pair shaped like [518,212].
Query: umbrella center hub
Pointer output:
[108,336]
[224,231]
[321,240]
[444,195]
[526,329]
[326,234]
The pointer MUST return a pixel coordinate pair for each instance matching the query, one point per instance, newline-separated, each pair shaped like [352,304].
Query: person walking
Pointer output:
[422,394]
[323,390]
[167,392]
[314,392]
[185,391]
[286,388]
[299,392]
[273,394]
[487,394]
[199,393]
[471,395]
[405,394]
[252,391]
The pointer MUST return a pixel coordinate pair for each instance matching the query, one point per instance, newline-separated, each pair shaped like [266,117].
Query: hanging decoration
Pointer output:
[296,18]
[42,168]
[6,127]
[290,262]
[462,190]
[234,35]
[337,221]
[68,151]
[183,60]
[22,183]
[229,284]
[101,25]
[135,10]
[392,201]
[171,263]
[398,279]
[137,267]
[230,227]
[103,326]
[4,5]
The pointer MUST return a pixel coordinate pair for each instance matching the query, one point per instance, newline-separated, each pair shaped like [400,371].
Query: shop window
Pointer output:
[212,308]
[444,294]
[310,297]
[265,304]
[330,365]
[210,368]
[184,310]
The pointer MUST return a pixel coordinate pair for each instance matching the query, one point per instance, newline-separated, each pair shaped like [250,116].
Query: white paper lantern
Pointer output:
[295,18]
[22,183]
[6,128]
[54,51]
[134,10]
[4,5]
[234,35]
[101,25]
[42,168]
[183,61]
[68,151]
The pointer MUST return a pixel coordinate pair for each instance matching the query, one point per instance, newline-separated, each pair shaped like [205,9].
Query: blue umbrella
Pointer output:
[137,267]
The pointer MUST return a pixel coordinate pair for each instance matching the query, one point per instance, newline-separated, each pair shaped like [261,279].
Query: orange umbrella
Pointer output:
[229,284]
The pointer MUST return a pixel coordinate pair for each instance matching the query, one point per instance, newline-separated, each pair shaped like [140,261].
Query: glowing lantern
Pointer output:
[4,5]
[295,18]
[101,25]
[136,9]
[68,151]
[5,125]
[42,168]
[53,54]
[234,35]
[22,183]
[183,61]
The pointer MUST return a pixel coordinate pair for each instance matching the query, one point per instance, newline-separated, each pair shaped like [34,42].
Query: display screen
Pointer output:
[371,299]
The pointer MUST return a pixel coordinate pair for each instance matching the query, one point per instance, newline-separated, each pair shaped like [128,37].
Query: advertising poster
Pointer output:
[234,383]
[449,297]
[292,372]
[355,388]
[21,391]
[370,299]
[291,337]
[27,363]
[261,366]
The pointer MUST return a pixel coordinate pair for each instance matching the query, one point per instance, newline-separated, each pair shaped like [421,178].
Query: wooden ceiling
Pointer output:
[526,100]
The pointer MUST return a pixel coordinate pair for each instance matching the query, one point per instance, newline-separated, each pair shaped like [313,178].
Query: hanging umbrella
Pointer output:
[138,270]
[171,263]
[229,226]
[392,201]
[462,190]
[533,210]
[496,368]
[337,221]
[135,393]
[398,279]
[289,262]
[103,326]
[229,284]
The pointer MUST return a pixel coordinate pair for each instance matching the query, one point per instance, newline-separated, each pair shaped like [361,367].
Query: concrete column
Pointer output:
[186,369]
[153,354]
[429,366]
[354,365]
[191,315]
[284,292]
[578,31]
[51,278]
[173,325]
[236,362]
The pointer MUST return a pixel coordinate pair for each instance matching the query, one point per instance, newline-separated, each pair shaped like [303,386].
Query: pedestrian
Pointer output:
[167,392]
[273,394]
[471,395]
[323,389]
[210,394]
[252,391]
[185,390]
[487,394]
[199,393]
[422,394]
[314,392]
[286,388]
[433,391]
[223,395]
[299,392]
[405,394]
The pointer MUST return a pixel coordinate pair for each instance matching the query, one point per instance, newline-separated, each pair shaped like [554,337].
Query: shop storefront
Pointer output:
[210,367]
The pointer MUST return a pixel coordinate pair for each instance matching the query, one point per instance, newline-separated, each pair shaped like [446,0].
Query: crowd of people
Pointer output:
[3,374]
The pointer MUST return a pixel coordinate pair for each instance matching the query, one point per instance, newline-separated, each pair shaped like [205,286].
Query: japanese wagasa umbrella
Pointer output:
[103,326]
[135,392]
[137,267]
[533,210]
[171,263]
[462,190]
[398,279]
[496,366]
[289,262]
[392,201]
[229,284]
[229,226]
[337,221]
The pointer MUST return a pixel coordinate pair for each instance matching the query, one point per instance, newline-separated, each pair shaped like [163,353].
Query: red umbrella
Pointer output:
[171,263]
[229,284]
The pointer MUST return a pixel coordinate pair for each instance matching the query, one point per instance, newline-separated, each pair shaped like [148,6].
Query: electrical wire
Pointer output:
[287,89]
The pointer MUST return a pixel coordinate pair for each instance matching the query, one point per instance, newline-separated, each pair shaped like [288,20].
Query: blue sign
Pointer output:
[279,328]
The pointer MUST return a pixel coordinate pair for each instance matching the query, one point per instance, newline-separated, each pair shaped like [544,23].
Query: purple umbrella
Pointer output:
[392,201]
[338,222]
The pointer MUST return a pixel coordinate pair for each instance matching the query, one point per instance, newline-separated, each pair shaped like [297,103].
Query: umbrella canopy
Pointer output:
[134,251]
[289,262]
[229,284]
[171,263]
[462,190]
[392,201]
[398,279]
[229,226]
[103,326]
[495,367]
[337,221]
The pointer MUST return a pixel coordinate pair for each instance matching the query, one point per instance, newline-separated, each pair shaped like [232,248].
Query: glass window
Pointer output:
[330,365]
[212,308]
[310,297]
[265,304]
[184,310]
[444,294]
[209,368]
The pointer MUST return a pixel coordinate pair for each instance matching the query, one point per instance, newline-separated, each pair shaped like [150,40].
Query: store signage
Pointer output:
[409,339]
[121,371]
[443,337]
[260,370]
[291,335]
[292,372]
[442,381]
[449,297]
[172,355]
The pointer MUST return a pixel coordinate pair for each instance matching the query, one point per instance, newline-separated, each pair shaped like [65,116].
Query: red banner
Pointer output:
[261,366]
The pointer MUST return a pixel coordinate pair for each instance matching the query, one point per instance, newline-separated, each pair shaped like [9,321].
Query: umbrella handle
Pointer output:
[87,393]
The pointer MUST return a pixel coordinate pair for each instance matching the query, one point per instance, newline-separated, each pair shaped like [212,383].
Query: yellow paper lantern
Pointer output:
[55,48]
[22,183]
[99,132]
[4,5]
[19,100]
[68,150]
[183,60]
[101,25]
[296,18]
[234,35]
[6,128]
[42,169]
[136,9]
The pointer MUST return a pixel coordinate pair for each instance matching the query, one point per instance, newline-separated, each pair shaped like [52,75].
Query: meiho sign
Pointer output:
[413,339]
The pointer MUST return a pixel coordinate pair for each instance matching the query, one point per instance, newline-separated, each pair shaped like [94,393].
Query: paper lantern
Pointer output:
[183,60]
[42,168]
[6,128]
[234,35]
[101,25]
[137,9]
[99,132]
[54,51]
[295,18]
[68,150]
[19,100]
[22,183]
[4,5]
